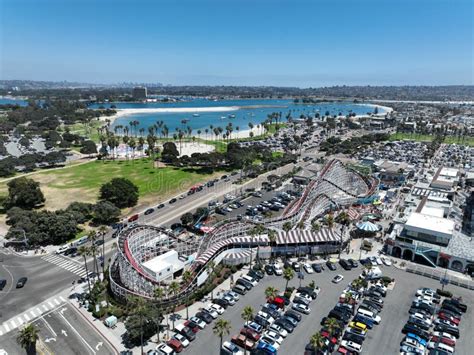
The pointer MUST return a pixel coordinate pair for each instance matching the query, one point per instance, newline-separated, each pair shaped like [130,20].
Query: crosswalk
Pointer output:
[69,265]
[31,314]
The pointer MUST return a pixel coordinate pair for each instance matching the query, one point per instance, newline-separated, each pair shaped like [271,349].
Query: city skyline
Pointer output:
[239,43]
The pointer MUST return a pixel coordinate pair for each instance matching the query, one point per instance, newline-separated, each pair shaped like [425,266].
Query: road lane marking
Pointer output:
[77,333]
[50,328]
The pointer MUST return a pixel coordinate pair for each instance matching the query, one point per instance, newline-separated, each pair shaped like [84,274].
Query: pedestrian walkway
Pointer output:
[31,314]
[66,264]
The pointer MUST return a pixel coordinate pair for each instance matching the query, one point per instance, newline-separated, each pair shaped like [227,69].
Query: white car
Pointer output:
[426,292]
[278,270]
[425,299]
[217,308]
[229,299]
[378,260]
[164,349]
[62,249]
[302,308]
[412,342]
[308,268]
[200,323]
[181,339]
[386,261]
[279,329]
[274,336]
[231,348]
[266,316]
[304,296]
[234,295]
[211,311]
[250,279]
[350,345]
[421,318]
[337,279]
[435,345]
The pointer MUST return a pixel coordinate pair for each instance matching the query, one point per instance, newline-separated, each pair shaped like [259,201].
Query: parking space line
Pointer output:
[50,304]
[7,328]
[26,317]
[33,313]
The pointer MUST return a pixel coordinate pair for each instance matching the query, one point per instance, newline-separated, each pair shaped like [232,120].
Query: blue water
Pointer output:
[4,101]
[221,119]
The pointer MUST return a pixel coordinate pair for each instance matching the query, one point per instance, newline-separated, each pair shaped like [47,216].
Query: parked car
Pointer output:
[302,308]
[331,265]
[337,279]
[229,348]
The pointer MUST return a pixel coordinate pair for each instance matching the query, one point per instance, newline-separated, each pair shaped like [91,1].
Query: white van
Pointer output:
[80,241]
[370,315]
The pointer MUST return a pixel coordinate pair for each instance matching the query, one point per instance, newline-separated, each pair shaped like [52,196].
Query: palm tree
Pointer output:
[85,252]
[247,315]
[174,289]
[270,293]
[331,324]
[187,278]
[158,295]
[27,338]
[256,231]
[317,341]
[210,269]
[140,309]
[221,328]
[287,227]
[288,274]
[272,238]
[103,232]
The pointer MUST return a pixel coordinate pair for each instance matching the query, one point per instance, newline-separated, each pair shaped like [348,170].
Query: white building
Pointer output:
[164,266]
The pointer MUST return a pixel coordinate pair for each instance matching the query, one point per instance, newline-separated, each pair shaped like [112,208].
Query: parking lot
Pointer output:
[385,336]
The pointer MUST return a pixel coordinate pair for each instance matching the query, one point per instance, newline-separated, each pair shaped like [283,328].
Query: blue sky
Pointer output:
[239,42]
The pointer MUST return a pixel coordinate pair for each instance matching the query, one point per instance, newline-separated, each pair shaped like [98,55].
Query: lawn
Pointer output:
[428,138]
[82,182]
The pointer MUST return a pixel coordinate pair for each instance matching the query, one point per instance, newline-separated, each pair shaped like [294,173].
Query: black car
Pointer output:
[423,306]
[244,283]
[353,263]
[447,329]
[256,274]
[71,251]
[411,328]
[342,316]
[273,313]
[98,242]
[414,310]
[353,337]
[317,267]
[3,283]
[269,269]
[261,321]
[456,303]
[149,211]
[161,205]
[285,324]
[452,309]
[365,261]
[419,324]
[221,302]
[21,282]
[295,315]
[330,265]
[173,200]
[206,317]
[308,291]
[344,264]
[293,321]
[371,306]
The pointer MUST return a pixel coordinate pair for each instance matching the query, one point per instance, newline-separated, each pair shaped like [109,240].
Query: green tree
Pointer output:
[270,293]
[221,328]
[85,252]
[174,290]
[317,341]
[88,147]
[119,191]
[288,274]
[187,278]
[158,294]
[24,193]
[139,324]
[332,325]
[105,212]
[27,338]
[247,315]
[187,219]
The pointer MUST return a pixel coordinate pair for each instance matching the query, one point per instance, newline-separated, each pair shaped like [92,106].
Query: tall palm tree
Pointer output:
[288,274]
[27,338]
[158,294]
[317,341]
[331,324]
[270,293]
[272,238]
[102,232]
[247,315]
[85,252]
[174,289]
[256,231]
[187,278]
[221,328]
[210,269]
[140,309]
[287,227]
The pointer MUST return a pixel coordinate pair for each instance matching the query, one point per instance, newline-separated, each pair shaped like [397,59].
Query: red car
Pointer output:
[329,337]
[175,344]
[193,326]
[251,334]
[445,316]
[446,341]
[242,342]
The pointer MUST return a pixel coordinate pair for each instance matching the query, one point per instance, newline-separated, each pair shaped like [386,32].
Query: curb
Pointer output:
[76,308]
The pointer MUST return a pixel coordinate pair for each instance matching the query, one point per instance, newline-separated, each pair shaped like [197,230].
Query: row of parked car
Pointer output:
[272,324]
[345,327]
[433,326]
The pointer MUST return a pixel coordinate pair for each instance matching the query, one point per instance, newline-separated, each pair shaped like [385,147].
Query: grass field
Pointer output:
[82,182]
[428,138]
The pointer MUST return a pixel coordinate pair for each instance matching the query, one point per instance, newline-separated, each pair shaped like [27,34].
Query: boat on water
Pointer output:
[195,114]
[223,117]
[231,116]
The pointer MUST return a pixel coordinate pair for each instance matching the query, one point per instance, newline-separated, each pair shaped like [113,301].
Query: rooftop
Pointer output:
[430,223]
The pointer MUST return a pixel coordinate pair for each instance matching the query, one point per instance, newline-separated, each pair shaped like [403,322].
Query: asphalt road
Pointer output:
[62,331]
[386,336]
